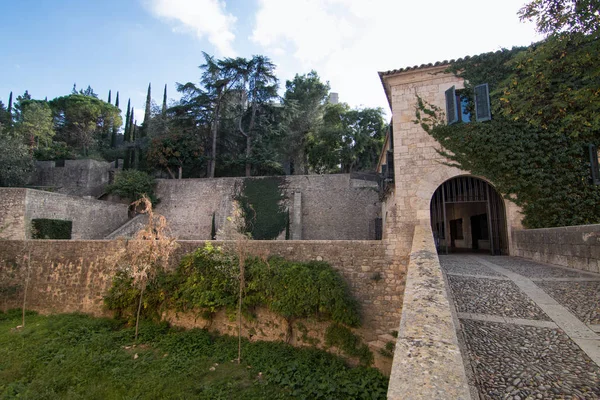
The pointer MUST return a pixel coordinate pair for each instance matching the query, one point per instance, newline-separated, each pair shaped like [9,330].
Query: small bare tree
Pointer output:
[148,252]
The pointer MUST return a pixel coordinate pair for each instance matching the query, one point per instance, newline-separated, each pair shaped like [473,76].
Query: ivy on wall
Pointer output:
[261,202]
[544,103]
[43,228]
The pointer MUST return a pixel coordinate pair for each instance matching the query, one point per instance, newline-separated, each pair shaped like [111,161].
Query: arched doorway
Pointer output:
[467,215]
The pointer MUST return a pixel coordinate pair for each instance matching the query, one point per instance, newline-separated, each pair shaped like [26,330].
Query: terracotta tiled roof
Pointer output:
[422,66]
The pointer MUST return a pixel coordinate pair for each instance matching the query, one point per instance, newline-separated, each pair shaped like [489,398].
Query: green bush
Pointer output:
[207,281]
[51,229]
[133,184]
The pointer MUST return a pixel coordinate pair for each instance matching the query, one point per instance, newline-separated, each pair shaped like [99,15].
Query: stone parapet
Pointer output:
[576,247]
[427,359]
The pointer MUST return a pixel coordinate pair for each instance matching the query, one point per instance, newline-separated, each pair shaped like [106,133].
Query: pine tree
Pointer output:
[109,93]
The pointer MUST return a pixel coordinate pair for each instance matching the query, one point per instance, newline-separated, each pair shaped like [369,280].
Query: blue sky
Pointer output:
[123,45]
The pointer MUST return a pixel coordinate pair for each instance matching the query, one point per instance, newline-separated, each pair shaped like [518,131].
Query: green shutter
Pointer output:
[483,111]
[594,164]
[451,106]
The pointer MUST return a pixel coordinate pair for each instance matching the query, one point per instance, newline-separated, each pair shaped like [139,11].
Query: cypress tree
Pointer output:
[146,124]
[164,105]
[9,110]
[113,137]
[109,93]
[127,137]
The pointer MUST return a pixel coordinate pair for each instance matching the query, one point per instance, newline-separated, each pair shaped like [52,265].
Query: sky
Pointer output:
[123,45]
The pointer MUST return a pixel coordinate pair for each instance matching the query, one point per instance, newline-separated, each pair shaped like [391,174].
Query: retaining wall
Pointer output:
[332,207]
[68,276]
[92,219]
[576,247]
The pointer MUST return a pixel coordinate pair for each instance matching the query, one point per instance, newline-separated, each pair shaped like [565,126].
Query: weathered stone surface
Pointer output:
[427,361]
[92,219]
[74,275]
[333,207]
[576,247]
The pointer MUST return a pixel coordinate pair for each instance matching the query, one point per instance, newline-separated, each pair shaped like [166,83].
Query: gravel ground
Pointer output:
[532,269]
[456,265]
[493,297]
[522,362]
[581,298]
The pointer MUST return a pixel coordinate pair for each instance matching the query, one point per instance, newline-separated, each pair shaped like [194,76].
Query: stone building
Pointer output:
[465,212]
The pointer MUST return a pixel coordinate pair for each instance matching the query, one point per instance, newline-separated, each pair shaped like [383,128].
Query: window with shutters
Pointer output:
[458,108]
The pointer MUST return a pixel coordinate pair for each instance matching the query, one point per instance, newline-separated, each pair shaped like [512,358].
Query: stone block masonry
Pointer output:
[575,247]
[69,276]
[92,219]
[332,207]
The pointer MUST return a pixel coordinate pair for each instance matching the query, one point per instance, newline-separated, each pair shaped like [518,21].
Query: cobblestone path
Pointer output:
[528,330]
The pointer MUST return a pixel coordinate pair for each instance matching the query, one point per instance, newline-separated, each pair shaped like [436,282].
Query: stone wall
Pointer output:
[575,247]
[333,207]
[68,276]
[76,177]
[419,168]
[427,360]
[92,219]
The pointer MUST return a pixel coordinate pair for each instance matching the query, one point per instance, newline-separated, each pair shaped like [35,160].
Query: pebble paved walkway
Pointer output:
[528,330]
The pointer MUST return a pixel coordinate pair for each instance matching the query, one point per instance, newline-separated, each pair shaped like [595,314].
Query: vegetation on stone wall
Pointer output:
[261,203]
[133,185]
[43,228]
[207,281]
[535,150]
[77,356]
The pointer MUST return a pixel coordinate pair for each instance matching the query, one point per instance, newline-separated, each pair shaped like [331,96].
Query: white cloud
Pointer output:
[348,41]
[204,18]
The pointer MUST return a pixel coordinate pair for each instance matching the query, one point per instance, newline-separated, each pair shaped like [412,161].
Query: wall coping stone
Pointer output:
[427,360]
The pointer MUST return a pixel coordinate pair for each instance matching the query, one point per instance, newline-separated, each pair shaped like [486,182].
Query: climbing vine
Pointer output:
[261,202]
[535,148]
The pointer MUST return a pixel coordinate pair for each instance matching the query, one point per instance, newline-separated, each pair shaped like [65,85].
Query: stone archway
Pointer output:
[468,215]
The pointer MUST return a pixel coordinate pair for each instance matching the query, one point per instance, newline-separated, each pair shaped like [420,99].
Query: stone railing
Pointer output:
[576,247]
[427,360]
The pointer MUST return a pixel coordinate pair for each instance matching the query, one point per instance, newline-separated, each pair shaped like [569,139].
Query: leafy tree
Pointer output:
[347,140]
[257,87]
[133,185]
[174,151]
[16,162]
[36,124]
[82,121]
[553,16]
[304,102]
[206,103]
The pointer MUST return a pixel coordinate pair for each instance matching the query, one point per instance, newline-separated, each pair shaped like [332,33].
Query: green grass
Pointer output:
[74,356]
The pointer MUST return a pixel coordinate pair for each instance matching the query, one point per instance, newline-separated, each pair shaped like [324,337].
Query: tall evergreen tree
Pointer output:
[127,136]
[9,110]
[115,128]
[109,99]
[147,113]
[164,104]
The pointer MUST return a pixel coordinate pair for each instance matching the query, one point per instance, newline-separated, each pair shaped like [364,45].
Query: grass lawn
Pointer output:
[74,356]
